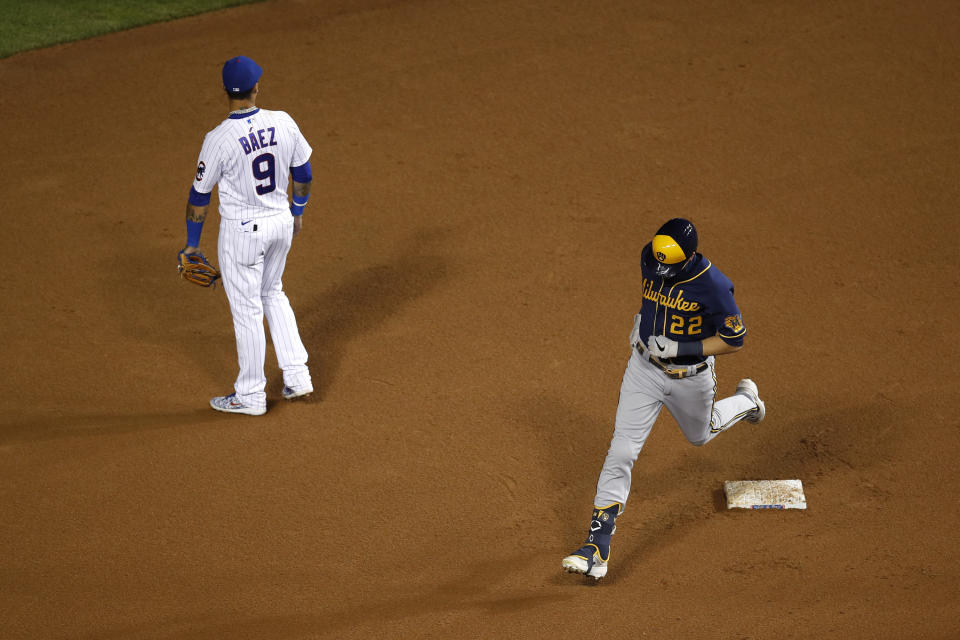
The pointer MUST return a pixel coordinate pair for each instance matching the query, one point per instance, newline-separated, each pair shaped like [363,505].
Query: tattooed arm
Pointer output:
[301,192]
[196,214]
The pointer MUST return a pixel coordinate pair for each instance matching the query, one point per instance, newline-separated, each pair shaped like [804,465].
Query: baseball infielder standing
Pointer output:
[687,317]
[250,155]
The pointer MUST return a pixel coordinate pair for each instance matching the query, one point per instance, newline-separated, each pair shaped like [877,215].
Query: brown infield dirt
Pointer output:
[485,176]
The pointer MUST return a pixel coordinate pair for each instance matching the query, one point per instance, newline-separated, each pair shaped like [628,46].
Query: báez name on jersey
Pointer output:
[671,302]
[258,139]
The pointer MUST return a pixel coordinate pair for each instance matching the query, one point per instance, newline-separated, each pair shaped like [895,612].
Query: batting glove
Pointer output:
[662,347]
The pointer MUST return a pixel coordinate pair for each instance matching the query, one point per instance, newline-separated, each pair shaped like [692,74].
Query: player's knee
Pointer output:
[623,452]
[697,434]
[702,438]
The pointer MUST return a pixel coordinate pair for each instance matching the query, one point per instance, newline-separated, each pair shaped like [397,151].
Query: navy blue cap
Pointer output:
[240,74]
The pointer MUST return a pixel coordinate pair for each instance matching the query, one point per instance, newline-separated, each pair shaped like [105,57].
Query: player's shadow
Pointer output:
[482,586]
[361,303]
[95,425]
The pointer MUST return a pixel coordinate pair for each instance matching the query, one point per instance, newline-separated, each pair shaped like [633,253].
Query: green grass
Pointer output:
[31,24]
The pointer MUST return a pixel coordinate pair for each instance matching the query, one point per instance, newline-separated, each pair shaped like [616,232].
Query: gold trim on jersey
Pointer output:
[705,269]
[695,305]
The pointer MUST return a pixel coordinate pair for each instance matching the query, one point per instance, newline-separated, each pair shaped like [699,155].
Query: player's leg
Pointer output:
[240,253]
[692,402]
[637,411]
[744,404]
[291,354]
[641,394]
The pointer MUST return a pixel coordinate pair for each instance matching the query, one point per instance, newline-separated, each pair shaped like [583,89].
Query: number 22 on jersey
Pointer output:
[680,325]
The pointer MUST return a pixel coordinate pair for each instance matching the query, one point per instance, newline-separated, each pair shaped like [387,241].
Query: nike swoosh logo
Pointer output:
[661,345]
[243,223]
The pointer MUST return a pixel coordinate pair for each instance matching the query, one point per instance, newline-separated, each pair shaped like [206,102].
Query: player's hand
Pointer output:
[297,224]
[662,347]
[635,333]
[188,250]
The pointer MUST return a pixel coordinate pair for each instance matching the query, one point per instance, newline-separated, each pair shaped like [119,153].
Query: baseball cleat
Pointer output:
[230,404]
[292,394]
[586,561]
[748,387]
[591,559]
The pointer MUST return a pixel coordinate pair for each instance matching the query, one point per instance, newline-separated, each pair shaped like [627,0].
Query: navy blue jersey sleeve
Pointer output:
[725,315]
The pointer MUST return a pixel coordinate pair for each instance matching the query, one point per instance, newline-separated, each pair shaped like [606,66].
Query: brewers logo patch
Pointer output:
[734,323]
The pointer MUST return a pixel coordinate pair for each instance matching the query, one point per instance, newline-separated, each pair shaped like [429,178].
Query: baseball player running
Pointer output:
[687,317]
[250,156]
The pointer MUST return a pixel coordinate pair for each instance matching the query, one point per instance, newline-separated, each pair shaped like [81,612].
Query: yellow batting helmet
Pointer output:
[672,246]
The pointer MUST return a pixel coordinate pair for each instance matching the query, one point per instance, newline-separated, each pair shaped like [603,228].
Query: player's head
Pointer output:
[673,247]
[240,76]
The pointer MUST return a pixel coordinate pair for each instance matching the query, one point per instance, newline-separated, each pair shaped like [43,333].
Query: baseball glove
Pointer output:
[193,267]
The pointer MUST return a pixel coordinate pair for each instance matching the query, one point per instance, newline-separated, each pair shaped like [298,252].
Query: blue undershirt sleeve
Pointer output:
[303,173]
[198,199]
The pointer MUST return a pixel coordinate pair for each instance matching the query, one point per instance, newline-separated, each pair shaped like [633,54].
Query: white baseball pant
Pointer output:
[644,392]
[253,254]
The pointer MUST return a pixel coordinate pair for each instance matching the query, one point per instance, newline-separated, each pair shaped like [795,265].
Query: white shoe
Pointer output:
[230,404]
[748,387]
[585,560]
[291,394]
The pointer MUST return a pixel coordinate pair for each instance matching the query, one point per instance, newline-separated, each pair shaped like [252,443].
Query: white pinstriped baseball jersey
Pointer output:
[250,154]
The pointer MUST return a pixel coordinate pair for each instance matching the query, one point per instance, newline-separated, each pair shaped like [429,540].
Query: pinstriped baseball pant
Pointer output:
[252,257]
[644,392]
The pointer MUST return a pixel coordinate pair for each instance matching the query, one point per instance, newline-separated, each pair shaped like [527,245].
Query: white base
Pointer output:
[765,494]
